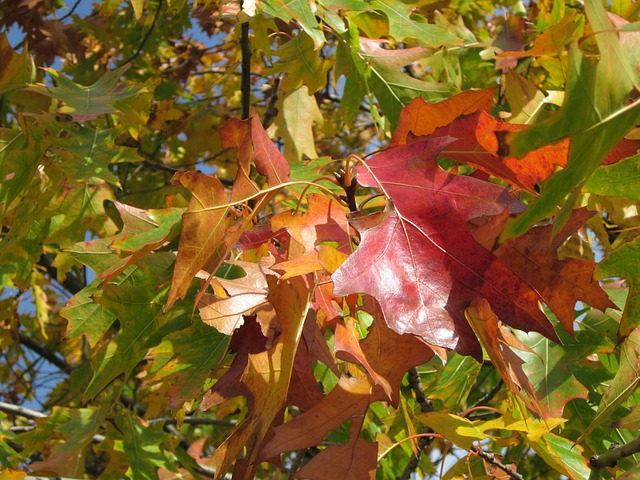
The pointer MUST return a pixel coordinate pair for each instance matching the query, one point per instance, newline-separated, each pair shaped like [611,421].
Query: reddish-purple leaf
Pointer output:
[418,258]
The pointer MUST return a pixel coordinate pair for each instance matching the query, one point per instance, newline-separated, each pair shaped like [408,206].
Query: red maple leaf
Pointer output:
[419,259]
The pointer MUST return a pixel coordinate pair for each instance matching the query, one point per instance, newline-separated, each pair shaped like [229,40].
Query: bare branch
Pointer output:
[614,455]
[21,411]
[44,352]
[271,105]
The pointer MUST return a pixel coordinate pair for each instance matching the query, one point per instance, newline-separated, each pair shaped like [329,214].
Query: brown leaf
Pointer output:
[381,348]
[203,230]
[266,379]
[347,347]
[355,460]
[253,145]
[350,397]
[245,296]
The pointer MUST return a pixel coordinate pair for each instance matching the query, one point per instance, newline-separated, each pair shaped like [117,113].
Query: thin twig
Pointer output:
[270,112]
[614,455]
[491,458]
[146,37]
[161,166]
[195,421]
[489,396]
[245,83]
[70,12]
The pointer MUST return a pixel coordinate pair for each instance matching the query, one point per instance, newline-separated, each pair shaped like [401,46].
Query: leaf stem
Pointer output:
[275,188]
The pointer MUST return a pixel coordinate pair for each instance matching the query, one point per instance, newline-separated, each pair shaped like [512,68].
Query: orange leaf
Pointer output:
[203,230]
[253,144]
[347,347]
[421,118]
[496,339]
[324,220]
[351,396]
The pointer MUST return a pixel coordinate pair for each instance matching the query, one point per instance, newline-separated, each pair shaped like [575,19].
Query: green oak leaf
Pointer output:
[86,153]
[191,354]
[300,11]
[623,385]
[297,113]
[301,62]
[85,103]
[138,304]
[142,446]
[86,316]
[404,23]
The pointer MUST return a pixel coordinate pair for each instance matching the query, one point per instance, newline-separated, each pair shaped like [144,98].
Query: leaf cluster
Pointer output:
[334,239]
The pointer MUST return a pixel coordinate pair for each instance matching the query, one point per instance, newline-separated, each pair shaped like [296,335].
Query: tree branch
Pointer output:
[44,352]
[245,82]
[491,458]
[70,12]
[489,396]
[614,455]
[21,411]
[71,283]
[423,442]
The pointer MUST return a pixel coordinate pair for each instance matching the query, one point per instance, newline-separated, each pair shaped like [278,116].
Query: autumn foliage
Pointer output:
[319,240]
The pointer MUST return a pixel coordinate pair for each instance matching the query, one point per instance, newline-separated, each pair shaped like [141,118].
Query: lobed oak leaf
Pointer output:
[347,347]
[323,221]
[142,232]
[466,117]
[418,258]
[207,234]
[86,103]
[561,283]
[253,144]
